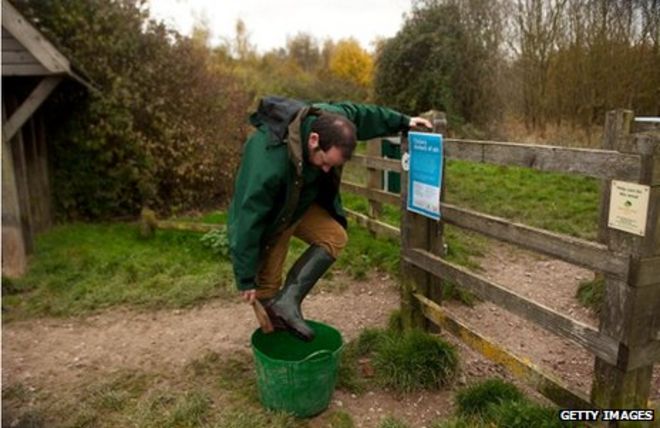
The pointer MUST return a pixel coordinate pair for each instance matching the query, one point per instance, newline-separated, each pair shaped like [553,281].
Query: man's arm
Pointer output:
[258,181]
[374,121]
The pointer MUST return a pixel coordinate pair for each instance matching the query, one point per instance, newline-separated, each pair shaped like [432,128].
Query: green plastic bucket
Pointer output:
[296,376]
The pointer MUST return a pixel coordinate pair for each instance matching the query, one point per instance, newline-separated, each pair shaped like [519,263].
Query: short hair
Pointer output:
[335,131]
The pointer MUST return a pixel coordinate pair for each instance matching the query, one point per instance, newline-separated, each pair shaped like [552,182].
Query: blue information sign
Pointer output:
[425,174]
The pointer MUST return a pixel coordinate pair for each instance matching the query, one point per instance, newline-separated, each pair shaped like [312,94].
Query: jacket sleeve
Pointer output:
[258,182]
[370,120]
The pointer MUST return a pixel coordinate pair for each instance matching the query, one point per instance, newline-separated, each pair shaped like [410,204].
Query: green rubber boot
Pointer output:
[302,277]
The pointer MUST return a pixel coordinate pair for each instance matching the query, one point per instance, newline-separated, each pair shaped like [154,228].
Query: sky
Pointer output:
[269,22]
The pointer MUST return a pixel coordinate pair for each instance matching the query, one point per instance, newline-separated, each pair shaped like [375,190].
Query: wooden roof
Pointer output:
[27,52]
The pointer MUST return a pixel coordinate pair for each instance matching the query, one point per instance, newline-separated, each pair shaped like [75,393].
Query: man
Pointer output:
[288,185]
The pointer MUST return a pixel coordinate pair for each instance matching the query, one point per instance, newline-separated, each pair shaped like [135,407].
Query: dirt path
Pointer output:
[552,283]
[44,353]
[48,354]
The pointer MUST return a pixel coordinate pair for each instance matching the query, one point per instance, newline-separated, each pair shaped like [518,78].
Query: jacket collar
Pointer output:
[298,135]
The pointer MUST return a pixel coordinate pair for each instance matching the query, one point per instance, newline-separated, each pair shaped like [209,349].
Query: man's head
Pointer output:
[331,141]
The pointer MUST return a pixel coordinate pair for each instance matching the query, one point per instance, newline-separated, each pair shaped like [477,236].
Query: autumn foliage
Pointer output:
[162,130]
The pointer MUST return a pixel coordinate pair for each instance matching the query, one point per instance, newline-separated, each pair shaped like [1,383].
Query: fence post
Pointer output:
[628,311]
[374,178]
[419,232]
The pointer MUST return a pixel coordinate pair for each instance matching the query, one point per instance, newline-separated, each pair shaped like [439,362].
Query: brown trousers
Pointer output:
[316,227]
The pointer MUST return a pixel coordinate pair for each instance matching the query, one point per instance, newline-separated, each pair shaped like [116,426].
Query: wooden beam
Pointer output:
[24,70]
[605,164]
[597,343]
[18,57]
[375,226]
[33,40]
[376,163]
[646,355]
[591,255]
[376,195]
[646,272]
[374,178]
[14,257]
[521,368]
[45,169]
[29,106]
[22,178]
[629,312]
[186,226]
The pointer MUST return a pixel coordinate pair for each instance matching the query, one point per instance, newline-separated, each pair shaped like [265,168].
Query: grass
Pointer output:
[560,203]
[494,402]
[476,400]
[413,361]
[557,202]
[400,361]
[82,268]
[339,419]
[525,414]
[211,391]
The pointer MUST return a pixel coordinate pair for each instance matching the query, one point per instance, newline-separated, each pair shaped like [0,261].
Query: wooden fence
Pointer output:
[627,343]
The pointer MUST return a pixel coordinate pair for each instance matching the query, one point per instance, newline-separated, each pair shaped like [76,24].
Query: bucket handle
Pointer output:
[317,355]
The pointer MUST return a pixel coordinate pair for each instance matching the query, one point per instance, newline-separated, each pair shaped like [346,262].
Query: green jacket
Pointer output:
[276,184]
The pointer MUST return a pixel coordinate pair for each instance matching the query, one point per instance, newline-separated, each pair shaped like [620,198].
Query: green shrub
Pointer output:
[413,361]
[477,400]
[143,138]
[524,414]
[217,241]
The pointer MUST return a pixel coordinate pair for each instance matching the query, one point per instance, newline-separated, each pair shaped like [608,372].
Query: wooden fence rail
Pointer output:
[605,164]
[627,343]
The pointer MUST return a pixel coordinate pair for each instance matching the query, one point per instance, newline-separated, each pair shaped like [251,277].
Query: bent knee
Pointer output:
[335,242]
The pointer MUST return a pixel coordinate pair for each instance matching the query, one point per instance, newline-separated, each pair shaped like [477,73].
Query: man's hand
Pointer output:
[416,122]
[249,295]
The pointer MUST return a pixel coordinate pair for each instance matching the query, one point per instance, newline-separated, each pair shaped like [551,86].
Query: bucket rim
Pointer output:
[268,358]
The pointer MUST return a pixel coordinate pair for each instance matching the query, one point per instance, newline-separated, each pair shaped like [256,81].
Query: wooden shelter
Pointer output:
[32,68]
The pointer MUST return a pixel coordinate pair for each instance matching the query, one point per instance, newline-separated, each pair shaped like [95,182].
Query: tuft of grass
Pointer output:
[369,341]
[339,419]
[477,400]
[415,360]
[591,294]
[391,422]
[451,291]
[395,322]
[525,414]
[82,268]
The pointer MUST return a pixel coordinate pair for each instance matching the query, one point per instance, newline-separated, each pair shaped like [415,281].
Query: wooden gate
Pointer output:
[627,343]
